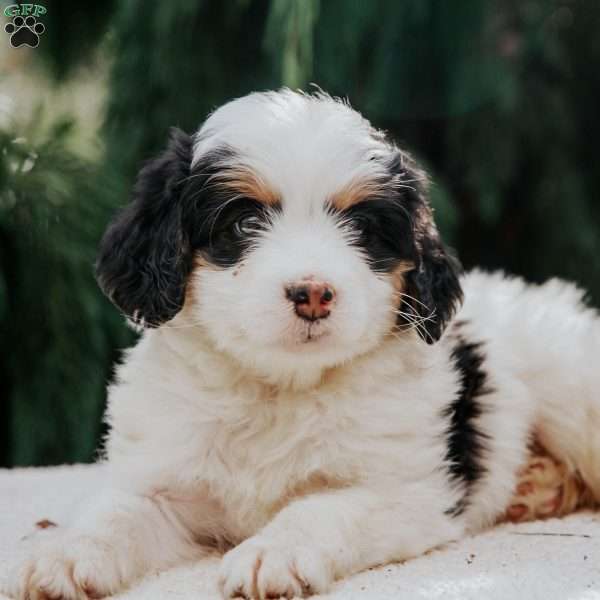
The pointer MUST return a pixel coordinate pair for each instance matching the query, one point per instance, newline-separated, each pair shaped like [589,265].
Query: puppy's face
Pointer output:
[289,230]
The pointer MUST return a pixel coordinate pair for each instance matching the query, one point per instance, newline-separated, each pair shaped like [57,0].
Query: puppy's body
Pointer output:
[256,446]
[315,447]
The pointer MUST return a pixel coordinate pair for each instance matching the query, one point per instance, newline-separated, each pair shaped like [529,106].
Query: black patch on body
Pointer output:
[398,227]
[177,212]
[466,443]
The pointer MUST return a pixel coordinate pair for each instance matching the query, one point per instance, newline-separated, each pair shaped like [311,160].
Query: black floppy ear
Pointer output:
[432,288]
[145,258]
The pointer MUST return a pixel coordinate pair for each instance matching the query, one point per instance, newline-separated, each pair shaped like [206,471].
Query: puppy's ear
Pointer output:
[432,289]
[145,257]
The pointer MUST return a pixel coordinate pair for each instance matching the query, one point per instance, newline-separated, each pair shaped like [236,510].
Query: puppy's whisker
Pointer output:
[416,322]
[405,295]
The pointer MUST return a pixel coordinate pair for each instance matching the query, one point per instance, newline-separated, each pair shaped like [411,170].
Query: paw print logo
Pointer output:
[24,31]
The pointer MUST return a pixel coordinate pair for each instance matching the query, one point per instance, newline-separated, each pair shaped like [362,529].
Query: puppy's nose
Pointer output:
[312,299]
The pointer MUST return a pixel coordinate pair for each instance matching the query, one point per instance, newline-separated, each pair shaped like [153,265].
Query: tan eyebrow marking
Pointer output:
[247,183]
[356,191]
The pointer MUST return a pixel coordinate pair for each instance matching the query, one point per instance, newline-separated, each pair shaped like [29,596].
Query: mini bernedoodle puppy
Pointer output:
[318,389]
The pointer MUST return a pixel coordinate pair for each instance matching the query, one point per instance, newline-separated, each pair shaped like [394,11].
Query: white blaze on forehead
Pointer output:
[307,148]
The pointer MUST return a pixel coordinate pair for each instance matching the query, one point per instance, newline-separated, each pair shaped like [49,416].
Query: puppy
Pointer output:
[310,393]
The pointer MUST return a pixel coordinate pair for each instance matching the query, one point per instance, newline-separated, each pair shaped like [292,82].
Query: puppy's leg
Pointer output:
[568,424]
[321,537]
[118,539]
[553,345]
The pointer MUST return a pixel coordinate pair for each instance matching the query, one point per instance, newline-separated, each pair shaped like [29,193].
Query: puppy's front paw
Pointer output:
[67,567]
[261,569]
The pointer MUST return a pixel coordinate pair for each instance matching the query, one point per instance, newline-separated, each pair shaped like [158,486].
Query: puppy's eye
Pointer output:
[248,225]
[360,224]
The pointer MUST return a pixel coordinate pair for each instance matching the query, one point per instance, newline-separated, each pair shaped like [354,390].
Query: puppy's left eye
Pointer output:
[361,226]
[248,225]
[359,223]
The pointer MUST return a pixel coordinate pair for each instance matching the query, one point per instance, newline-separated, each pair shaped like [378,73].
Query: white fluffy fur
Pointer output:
[318,459]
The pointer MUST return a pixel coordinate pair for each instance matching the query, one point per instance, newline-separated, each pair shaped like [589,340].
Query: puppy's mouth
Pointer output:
[312,332]
[305,333]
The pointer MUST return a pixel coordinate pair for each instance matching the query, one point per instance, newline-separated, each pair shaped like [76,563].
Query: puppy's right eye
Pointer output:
[247,226]
[362,227]
[359,223]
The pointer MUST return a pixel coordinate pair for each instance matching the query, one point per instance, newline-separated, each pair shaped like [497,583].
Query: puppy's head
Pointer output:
[292,231]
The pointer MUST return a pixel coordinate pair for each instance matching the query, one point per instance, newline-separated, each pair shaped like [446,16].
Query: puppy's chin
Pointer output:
[301,360]
[297,366]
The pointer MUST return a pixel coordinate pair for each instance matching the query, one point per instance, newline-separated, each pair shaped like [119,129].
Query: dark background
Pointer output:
[499,99]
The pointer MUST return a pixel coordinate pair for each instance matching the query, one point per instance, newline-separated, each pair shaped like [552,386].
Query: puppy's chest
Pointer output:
[259,458]
[279,450]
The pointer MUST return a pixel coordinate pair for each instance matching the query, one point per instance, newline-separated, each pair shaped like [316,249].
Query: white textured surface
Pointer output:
[505,563]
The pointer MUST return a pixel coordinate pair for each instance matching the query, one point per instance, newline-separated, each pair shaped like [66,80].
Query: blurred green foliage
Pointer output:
[58,333]
[75,31]
[498,99]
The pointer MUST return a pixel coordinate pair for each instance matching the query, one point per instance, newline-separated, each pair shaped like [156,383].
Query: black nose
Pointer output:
[312,299]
